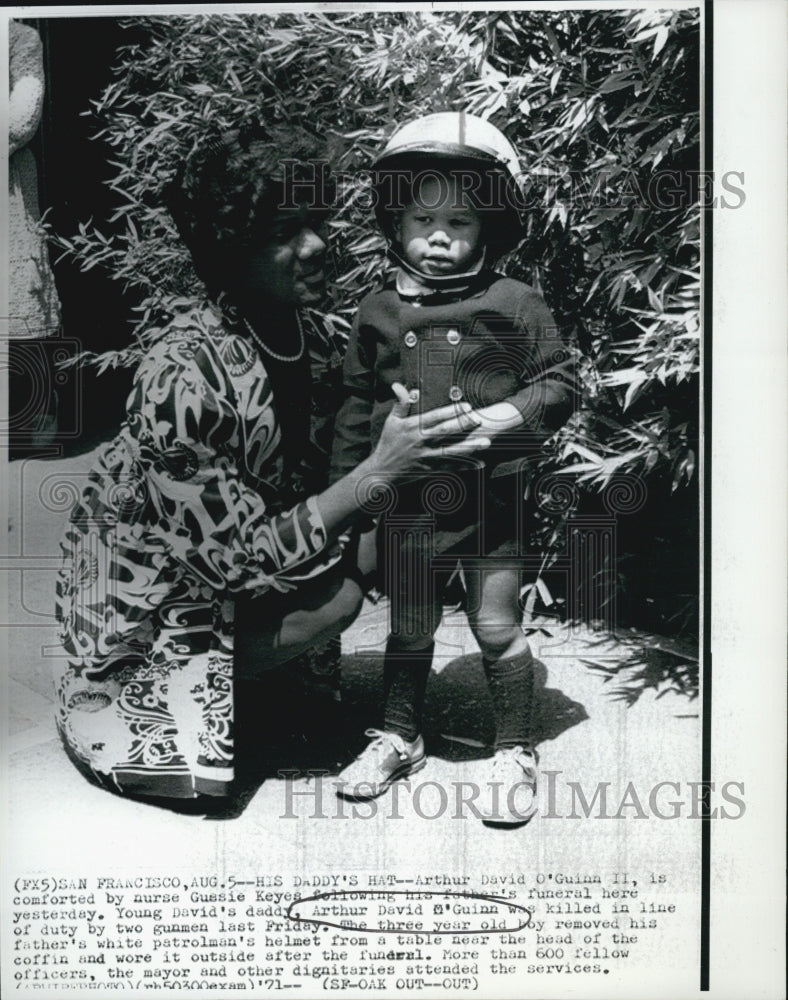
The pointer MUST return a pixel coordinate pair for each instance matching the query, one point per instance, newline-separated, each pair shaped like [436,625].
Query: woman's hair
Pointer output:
[223,199]
[225,195]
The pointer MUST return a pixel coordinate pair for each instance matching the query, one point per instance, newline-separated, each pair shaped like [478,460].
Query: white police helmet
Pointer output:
[453,140]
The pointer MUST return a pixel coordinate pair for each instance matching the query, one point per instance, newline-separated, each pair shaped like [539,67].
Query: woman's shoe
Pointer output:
[512,787]
[387,758]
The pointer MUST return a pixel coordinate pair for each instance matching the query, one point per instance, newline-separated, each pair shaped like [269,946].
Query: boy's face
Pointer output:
[440,230]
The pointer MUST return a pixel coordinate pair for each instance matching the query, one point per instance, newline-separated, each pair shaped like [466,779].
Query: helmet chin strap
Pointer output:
[438,282]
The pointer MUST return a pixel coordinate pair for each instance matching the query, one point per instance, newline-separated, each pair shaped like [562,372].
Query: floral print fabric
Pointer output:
[171,526]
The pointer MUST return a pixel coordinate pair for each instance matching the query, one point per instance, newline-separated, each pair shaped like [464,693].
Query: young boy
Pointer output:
[451,329]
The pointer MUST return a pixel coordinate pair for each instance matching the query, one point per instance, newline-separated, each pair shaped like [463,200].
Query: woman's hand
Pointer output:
[406,441]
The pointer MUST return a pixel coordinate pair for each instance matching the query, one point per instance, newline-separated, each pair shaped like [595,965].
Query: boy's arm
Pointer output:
[352,427]
[549,380]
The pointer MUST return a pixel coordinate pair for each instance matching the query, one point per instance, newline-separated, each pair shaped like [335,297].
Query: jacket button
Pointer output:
[413,395]
[455,394]
[411,339]
[453,336]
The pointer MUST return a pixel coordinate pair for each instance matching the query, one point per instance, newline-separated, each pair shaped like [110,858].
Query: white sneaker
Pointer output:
[512,787]
[387,758]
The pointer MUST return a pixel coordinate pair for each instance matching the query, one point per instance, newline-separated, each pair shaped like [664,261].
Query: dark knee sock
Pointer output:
[404,684]
[511,684]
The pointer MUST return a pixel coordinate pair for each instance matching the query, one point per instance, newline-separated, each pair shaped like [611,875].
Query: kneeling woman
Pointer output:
[191,509]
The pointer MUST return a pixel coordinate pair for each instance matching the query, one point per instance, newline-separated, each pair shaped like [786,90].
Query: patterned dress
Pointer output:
[175,522]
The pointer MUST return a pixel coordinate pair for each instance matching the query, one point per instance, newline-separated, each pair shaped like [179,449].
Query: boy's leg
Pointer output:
[416,611]
[494,612]
[495,618]
[397,749]
[405,673]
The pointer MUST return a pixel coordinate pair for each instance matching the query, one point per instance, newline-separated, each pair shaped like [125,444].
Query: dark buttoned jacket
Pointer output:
[496,342]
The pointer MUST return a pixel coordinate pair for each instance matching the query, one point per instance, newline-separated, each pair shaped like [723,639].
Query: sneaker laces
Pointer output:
[383,740]
[508,756]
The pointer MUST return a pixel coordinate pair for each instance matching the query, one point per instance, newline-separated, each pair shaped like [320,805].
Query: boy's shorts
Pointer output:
[437,523]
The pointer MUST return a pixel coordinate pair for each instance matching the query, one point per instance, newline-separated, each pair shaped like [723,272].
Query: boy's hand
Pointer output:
[496,419]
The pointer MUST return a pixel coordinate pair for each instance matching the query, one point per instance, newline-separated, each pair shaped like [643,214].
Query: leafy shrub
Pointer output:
[604,108]
[600,106]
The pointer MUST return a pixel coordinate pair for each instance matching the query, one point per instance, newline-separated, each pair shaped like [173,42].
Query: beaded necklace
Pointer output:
[274,354]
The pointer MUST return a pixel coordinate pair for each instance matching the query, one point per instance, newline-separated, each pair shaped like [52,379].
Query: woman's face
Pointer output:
[288,265]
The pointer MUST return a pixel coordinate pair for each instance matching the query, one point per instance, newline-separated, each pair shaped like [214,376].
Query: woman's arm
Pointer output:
[185,431]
